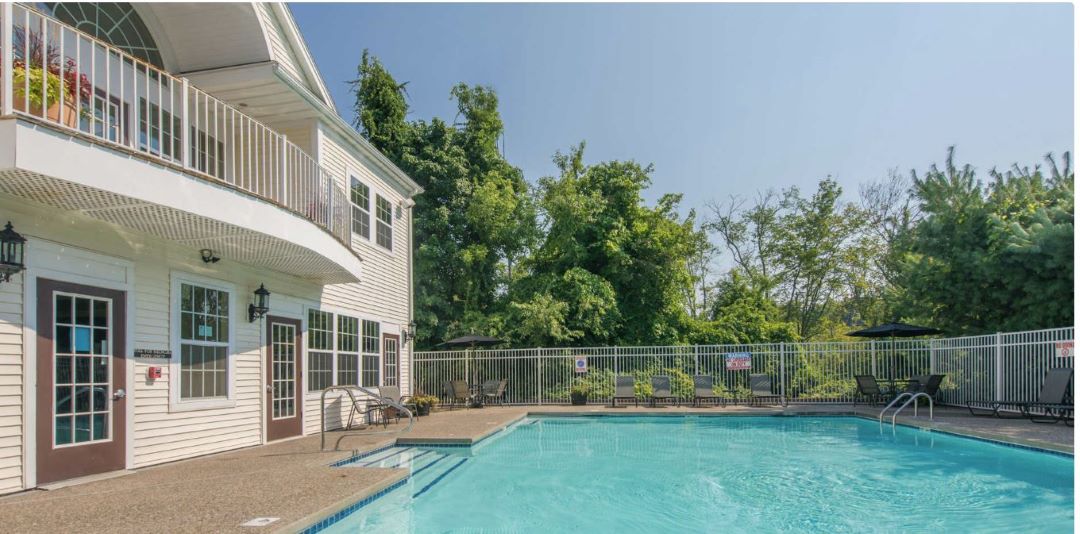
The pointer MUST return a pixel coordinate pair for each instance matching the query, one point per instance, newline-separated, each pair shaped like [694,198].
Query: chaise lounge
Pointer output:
[703,390]
[1054,401]
[661,390]
[624,390]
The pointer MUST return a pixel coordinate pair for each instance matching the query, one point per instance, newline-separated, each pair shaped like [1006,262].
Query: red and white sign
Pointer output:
[1063,349]
[737,361]
[581,365]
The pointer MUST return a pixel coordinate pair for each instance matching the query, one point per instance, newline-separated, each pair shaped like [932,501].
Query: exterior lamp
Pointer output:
[408,334]
[262,304]
[11,253]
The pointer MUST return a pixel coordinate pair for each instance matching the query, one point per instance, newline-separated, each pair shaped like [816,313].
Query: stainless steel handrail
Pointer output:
[911,397]
[356,409]
[914,398]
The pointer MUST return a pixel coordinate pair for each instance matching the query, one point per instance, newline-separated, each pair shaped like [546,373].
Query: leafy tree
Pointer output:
[991,258]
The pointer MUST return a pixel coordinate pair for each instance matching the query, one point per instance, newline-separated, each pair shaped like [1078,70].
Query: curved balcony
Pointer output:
[83,107]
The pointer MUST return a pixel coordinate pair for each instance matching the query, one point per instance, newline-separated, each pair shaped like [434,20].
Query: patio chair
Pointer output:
[459,393]
[867,387]
[624,390]
[494,390]
[761,388]
[1054,401]
[661,390]
[703,390]
[393,393]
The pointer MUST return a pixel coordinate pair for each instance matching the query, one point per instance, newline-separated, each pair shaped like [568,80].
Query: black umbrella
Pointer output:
[471,342]
[895,330]
[892,331]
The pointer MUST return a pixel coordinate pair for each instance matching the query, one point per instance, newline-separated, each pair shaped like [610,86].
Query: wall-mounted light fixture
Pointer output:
[208,256]
[409,333]
[12,247]
[261,305]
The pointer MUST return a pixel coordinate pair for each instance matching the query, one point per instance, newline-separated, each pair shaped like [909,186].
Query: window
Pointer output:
[384,232]
[204,342]
[348,358]
[152,137]
[369,371]
[320,350]
[207,153]
[116,23]
[360,196]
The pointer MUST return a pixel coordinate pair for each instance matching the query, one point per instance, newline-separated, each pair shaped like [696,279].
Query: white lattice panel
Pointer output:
[228,241]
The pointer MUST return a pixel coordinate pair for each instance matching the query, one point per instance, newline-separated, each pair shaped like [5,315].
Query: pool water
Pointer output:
[720,474]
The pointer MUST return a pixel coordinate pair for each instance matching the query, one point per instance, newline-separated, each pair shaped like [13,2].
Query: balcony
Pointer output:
[104,133]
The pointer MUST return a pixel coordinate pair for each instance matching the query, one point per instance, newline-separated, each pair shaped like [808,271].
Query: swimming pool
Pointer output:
[720,474]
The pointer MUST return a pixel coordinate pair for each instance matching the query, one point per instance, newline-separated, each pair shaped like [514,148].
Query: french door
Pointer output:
[284,399]
[81,380]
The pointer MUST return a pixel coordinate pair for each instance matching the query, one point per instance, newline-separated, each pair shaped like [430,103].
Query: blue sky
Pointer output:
[730,99]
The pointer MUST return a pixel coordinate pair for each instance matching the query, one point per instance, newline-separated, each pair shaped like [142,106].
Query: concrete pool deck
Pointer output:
[292,480]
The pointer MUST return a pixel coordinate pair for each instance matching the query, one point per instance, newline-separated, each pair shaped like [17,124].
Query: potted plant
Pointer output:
[579,393]
[45,81]
[424,404]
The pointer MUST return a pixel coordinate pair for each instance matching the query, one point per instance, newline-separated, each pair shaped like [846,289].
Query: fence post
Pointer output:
[539,381]
[933,357]
[999,366]
[6,62]
[783,374]
[873,358]
[185,126]
[697,370]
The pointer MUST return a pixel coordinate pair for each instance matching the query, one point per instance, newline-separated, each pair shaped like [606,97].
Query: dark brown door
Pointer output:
[391,354]
[81,380]
[283,386]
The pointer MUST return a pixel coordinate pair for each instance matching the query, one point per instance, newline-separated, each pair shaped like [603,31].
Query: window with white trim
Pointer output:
[320,350]
[384,230]
[360,197]
[348,346]
[369,344]
[204,342]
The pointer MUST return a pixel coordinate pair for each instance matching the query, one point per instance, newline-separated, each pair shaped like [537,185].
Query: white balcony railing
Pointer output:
[70,80]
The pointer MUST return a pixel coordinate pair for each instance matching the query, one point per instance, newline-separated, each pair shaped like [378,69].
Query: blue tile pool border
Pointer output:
[326,522]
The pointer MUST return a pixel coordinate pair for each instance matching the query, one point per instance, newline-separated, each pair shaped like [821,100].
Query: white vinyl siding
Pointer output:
[11,382]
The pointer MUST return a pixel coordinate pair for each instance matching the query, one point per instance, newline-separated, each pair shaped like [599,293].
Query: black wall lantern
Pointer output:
[11,253]
[261,305]
[408,334]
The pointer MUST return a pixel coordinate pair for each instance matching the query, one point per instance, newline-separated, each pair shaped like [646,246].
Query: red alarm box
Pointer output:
[153,372]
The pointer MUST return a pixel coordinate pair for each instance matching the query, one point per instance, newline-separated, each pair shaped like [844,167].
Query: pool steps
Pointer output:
[427,466]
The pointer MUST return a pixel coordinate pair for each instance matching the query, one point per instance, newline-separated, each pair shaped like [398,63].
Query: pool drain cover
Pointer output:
[260,522]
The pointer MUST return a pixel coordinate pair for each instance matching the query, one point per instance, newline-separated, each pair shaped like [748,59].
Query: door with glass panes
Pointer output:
[81,380]
[283,381]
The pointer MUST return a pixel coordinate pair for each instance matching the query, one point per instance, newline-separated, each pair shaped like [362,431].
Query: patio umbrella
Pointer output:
[470,342]
[892,331]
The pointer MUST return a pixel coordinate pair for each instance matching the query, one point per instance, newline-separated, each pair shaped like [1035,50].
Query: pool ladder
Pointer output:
[911,397]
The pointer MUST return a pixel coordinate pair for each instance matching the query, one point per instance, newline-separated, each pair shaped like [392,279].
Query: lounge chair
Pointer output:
[1054,400]
[661,390]
[703,390]
[393,393]
[624,390]
[761,388]
[868,388]
[494,391]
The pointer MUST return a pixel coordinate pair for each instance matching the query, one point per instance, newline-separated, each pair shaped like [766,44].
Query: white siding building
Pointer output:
[164,161]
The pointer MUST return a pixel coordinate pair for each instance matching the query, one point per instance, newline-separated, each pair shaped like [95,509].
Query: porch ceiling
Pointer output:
[228,241]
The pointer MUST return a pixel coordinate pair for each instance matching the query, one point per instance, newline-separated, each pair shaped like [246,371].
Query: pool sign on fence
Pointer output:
[1063,349]
[580,365]
[737,361]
